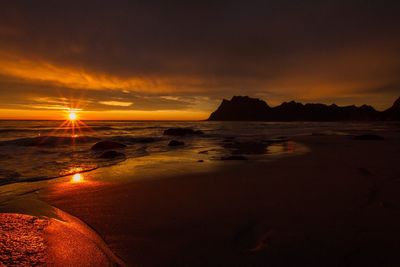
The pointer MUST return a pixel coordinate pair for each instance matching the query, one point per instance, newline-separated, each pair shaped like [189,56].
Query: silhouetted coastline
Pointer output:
[245,108]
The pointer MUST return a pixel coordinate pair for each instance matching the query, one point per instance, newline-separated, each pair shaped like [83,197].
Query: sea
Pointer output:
[38,150]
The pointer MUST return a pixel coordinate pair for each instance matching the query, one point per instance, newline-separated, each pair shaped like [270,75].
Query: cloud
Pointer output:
[44,96]
[186,56]
[116,103]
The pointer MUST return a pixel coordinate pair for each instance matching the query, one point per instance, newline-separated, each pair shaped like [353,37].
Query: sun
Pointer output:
[72,124]
[72,116]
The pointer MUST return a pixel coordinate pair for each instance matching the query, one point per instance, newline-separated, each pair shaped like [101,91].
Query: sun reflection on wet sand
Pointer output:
[77,178]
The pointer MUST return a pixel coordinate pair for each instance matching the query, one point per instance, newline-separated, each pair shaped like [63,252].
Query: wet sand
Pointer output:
[22,241]
[48,237]
[337,205]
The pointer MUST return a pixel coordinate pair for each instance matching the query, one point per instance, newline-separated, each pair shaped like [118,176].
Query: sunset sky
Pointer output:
[178,59]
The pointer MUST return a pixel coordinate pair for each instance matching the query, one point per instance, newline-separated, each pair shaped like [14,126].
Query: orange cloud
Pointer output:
[44,72]
[41,71]
[116,103]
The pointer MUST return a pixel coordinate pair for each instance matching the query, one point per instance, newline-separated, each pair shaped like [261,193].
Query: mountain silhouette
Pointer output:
[393,113]
[245,108]
[241,108]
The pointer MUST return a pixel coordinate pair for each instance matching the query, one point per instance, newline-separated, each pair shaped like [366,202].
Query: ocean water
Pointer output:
[36,150]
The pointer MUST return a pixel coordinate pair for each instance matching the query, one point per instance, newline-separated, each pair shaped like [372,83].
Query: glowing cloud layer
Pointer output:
[167,59]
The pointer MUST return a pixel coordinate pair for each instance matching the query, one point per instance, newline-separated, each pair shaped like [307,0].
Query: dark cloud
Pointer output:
[196,48]
[393,88]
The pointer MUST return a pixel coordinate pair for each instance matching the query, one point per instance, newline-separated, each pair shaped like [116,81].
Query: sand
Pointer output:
[22,241]
[337,205]
[51,238]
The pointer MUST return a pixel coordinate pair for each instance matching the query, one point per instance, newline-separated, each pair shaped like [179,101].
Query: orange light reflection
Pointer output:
[77,178]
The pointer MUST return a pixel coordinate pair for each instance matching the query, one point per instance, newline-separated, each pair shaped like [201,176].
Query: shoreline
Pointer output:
[38,234]
[245,213]
[184,155]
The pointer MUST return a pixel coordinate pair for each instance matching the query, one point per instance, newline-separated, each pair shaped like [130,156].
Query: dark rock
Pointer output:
[200,160]
[368,137]
[107,145]
[234,157]
[244,108]
[175,143]
[182,132]
[393,113]
[111,154]
[130,140]
[241,108]
[396,103]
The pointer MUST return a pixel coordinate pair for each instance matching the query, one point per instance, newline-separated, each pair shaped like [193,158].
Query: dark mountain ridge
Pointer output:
[244,108]
[393,113]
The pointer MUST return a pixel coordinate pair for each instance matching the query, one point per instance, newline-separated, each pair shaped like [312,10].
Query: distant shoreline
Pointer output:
[245,108]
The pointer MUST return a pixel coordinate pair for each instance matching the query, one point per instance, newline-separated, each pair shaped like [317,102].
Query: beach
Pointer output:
[258,133]
[336,204]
